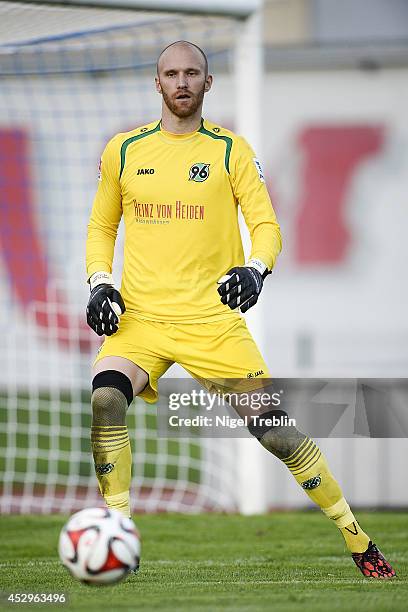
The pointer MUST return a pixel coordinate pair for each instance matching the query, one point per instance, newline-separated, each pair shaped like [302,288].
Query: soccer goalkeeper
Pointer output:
[178,183]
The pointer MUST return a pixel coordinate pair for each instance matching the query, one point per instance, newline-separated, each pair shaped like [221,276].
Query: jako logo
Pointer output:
[145,171]
[255,374]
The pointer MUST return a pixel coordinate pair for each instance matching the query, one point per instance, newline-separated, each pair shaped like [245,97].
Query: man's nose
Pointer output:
[181,81]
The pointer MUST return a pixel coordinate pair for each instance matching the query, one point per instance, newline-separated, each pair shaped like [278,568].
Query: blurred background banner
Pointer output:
[333,99]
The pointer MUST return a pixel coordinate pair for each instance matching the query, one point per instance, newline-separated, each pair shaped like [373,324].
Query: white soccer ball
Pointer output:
[99,546]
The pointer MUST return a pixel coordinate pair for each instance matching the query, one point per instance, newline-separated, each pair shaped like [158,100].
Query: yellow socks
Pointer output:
[356,539]
[310,469]
[113,462]
[120,502]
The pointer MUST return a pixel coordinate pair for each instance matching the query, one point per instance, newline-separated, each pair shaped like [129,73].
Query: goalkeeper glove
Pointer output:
[241,286]
[105,304]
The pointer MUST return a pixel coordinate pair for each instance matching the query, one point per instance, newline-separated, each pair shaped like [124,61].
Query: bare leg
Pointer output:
[136,375]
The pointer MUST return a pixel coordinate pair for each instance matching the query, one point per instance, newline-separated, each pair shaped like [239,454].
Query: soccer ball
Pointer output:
[99,546]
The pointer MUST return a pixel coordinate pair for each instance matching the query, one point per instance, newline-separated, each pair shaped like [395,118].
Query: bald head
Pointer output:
[182,80]
[193,51]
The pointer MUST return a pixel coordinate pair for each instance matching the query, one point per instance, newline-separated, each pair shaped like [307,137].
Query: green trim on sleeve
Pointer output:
[129,141]
[226,139]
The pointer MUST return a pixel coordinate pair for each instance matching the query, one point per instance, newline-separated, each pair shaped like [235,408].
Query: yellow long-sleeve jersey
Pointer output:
[179,196]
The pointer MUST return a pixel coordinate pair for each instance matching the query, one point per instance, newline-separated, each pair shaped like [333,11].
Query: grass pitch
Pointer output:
[282,561]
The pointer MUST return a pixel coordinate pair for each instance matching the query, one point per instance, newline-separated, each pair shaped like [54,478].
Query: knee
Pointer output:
[111,395]
[280,440]
[108,406]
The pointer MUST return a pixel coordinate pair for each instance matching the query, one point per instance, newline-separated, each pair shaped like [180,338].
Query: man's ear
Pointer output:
[208,82]
[158,86]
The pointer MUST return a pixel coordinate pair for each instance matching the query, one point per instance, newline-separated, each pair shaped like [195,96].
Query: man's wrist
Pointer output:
[258,265]
[100,278]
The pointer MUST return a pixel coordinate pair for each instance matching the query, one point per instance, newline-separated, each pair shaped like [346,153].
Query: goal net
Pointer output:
[71,78]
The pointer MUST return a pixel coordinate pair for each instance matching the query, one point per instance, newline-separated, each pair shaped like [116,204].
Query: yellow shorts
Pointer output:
[208,351]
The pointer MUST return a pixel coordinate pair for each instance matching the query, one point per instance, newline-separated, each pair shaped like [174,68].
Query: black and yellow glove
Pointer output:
[242,285]
[105,305]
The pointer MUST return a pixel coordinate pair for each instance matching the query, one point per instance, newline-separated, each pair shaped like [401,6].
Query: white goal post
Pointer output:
[232,8]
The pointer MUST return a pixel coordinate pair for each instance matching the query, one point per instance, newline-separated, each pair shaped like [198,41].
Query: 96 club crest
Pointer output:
[199,172]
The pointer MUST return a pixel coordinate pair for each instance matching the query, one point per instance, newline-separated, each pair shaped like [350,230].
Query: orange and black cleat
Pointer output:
[373,564]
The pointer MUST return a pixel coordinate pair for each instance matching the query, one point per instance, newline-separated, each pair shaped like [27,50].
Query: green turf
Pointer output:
[282,562]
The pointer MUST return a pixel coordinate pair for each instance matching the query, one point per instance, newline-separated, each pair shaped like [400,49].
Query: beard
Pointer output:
[184,107]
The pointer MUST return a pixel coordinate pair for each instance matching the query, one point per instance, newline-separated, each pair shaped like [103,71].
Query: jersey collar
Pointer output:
[170,137]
